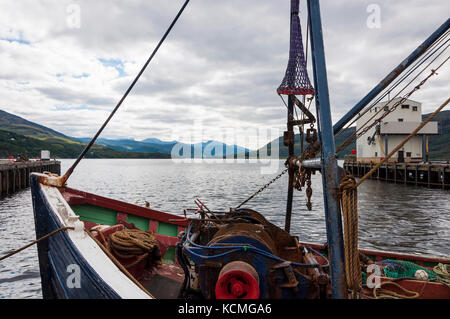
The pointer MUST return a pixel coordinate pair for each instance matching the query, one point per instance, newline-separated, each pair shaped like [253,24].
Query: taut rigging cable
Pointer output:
[356,134]
[86,149]
[394,85]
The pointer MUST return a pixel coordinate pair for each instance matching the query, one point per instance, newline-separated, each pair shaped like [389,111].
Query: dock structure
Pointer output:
[430,174]
[16,176]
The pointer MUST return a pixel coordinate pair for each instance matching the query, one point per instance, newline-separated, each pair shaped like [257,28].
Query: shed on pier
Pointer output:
[379,140]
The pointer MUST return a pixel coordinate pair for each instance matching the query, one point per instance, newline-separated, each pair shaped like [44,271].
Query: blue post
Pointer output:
[392,76]
[329,163]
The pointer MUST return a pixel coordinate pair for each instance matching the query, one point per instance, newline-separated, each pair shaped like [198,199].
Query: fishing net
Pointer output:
[296,79]
[404,269]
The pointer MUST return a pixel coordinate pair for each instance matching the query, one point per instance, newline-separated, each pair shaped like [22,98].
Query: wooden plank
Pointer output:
[19,179]
[14,181]
[8,188]
[417,173]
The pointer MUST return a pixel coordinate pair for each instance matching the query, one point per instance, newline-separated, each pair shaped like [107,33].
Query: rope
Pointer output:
[403,78]
[86,149]
[35,242]
[114,260]
[348,192]
[393,295]
[363,129]
[442,271]
[119,265]
[349,202]
[403,143]
[131,243]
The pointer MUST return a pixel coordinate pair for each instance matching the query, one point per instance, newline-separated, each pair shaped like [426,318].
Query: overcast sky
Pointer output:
[219,68]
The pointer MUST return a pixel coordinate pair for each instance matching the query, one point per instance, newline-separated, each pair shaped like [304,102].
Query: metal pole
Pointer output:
[290,196]
[330,177]
[392,76]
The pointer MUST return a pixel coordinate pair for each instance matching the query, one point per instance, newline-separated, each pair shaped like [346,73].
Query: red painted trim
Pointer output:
[72,194]
[153,225]
[165,242]
[121,217]
[89,225]
[391,254]
[427,289]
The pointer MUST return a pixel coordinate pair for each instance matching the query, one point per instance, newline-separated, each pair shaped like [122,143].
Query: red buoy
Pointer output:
[237,280]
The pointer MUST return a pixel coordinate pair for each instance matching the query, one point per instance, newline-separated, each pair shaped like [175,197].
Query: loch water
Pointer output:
[395,217]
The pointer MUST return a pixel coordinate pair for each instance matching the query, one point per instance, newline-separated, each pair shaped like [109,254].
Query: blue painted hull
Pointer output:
[58,253]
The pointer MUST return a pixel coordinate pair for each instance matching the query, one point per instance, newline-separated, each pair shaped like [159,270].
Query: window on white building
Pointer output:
[400,120]
[414,108]
[405,106]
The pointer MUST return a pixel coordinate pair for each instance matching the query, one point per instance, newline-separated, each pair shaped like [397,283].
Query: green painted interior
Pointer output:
[106,216]
[169,256]
[167,229]
[95,214]
[140,222]
[429,264]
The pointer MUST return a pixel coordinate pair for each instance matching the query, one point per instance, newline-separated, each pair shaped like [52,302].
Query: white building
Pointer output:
[381,139]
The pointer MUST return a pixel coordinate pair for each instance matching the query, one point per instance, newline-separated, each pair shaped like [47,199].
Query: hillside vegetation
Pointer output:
[21,137]
[439,145]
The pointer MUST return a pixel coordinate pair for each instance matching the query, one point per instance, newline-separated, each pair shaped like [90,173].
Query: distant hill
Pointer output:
[439,145]
[20,136]
[128,145]
[284,151]
[13,123]
[157,141]
[156,145]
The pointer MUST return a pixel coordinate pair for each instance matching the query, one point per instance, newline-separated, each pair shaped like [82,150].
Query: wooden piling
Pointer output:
[433,175]
[16,176]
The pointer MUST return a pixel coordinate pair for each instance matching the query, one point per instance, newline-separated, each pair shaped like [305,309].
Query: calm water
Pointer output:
[392,217]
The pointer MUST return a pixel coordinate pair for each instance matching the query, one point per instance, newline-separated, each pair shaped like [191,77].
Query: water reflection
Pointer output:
[391,217]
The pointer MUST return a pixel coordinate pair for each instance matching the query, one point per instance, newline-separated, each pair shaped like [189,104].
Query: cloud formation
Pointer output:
[221,65]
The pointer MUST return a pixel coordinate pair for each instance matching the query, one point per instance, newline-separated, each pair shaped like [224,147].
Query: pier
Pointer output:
[430,174]
[16,176]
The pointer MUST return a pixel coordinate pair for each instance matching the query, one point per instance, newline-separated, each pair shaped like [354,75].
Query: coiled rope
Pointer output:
[131,243]
[349,204]
[349,198]
[388,294]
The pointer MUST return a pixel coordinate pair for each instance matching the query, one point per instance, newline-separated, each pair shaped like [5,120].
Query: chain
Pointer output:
[264,187]
[300,177]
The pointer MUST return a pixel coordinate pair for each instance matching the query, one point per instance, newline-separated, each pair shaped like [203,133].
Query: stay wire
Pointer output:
[87,148]
[356,134]
[422,60]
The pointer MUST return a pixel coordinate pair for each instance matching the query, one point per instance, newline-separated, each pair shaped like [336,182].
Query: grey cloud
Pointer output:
[225,59]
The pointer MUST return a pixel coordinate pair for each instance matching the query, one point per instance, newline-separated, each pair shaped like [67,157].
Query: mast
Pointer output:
[295,82]
[329,167]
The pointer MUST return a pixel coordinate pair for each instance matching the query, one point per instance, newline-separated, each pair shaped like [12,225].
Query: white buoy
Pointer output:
[421,274]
